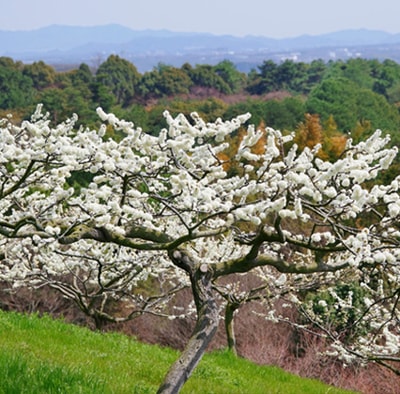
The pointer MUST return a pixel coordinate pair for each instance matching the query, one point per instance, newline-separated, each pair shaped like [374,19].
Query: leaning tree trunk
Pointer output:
[203,333]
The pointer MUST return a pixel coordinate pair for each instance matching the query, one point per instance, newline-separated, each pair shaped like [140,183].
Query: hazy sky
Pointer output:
[276,18]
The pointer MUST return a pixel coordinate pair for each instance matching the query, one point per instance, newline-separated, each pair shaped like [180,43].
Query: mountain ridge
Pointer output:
[61,44]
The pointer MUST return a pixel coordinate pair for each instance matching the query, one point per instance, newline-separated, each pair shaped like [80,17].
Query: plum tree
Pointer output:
[164,205]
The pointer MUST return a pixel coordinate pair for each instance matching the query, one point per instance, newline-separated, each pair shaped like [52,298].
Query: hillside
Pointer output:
[45,355]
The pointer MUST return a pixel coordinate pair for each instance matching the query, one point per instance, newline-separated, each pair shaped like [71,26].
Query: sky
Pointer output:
[275,19]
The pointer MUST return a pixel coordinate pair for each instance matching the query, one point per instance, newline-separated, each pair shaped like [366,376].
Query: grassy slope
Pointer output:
[41,355]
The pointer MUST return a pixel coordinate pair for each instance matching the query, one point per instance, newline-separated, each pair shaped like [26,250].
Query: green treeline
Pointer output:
[355,96]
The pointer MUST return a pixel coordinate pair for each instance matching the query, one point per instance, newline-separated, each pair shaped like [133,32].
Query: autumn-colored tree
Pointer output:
[312,132]
[228,156]
[309,133]
[334,141]
[259,147]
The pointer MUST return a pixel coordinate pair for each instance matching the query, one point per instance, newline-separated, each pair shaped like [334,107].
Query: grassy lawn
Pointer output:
[42,355]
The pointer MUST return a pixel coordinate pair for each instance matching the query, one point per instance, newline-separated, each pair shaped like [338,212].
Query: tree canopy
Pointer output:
[120,76]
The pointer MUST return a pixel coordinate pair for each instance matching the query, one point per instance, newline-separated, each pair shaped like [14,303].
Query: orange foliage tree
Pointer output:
[227,157]
[309,133]
[312,132]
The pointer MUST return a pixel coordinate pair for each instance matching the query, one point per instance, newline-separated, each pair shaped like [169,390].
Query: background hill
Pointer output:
[70,45]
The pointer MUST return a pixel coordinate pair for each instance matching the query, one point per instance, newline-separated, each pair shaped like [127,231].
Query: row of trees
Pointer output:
[115,82]
[167,209]
[353,92]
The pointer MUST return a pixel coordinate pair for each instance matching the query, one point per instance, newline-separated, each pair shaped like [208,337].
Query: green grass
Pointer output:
[42,355]
[19,377]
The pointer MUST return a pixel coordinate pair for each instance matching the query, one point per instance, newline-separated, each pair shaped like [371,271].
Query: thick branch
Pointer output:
[246,264]
[137,237]
[147,234]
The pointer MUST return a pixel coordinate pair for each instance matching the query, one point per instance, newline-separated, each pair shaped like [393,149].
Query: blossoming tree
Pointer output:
[168,203]
[101,279]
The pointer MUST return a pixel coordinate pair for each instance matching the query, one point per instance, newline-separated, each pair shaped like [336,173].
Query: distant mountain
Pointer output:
[68,46]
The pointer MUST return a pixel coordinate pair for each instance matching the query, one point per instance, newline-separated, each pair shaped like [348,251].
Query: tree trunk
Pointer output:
[203,333]
[229,326]
[99,321]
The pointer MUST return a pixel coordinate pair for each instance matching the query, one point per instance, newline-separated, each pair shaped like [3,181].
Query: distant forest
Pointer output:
[335,98]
